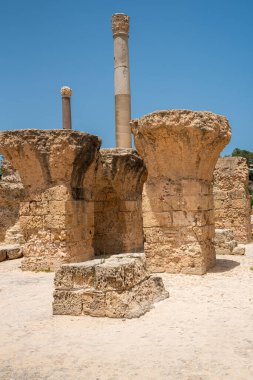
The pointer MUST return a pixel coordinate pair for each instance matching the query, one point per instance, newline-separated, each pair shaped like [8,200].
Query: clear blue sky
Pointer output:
[194,54]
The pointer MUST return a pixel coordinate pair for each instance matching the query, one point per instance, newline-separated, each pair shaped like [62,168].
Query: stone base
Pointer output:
[117,287]
[10,251]
[225,244]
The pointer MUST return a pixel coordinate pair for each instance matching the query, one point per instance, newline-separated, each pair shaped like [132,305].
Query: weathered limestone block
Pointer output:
[10,251]
[239,250]
[180,149]
[117,287]
[231,197]
[11,194]
[225,243]
[118,195]
[56,215]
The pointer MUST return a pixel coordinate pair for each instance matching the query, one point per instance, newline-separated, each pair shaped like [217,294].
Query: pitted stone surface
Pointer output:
[120,23]
[117,287]
[231,197]
[10,251]
[180,149]
[57,215]
[11,194]
[117,192]
[225,243]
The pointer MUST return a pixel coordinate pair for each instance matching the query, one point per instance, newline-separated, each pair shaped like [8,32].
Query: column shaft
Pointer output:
[120,26]
[66,113]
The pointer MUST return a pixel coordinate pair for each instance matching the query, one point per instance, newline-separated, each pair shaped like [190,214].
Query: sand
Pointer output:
[203,331]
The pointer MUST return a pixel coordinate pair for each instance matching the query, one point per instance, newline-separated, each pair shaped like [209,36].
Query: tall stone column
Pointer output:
[66,93]
[120,28]
[180,149]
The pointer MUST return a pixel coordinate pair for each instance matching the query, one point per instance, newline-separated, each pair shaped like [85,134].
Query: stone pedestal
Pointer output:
[180,149]
[231,197]
[118,202]
[120,28]
[118,287]
[57,214]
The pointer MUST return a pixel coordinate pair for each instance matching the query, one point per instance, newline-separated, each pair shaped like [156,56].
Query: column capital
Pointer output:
[66,92]
[120,24]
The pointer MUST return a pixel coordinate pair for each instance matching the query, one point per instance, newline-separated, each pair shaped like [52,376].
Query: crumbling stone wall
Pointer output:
[118,187]
[11,194]
[231,197]
[180,149]
[57,214]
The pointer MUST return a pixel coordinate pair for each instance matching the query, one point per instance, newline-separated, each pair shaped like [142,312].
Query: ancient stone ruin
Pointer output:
[231,197]
[89,214]
[119,179]
[79,201]
[119,287]
[56,214]
[180,149]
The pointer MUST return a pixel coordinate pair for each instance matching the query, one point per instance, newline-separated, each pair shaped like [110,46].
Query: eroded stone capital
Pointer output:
[181,143]
[66,92]
[120,24]
[123,170]
[46,158]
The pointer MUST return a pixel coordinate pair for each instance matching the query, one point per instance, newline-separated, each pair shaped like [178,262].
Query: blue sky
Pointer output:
[193,54]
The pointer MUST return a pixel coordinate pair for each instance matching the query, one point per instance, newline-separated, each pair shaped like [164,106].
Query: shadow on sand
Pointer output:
[223,265]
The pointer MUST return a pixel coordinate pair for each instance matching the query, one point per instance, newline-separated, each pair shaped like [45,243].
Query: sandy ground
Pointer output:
[203,331]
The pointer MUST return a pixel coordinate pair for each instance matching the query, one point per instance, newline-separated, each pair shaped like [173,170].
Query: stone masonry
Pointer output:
[118,195]
[180,149]
[231,197]
[11,194]
[118,287]
[57,214]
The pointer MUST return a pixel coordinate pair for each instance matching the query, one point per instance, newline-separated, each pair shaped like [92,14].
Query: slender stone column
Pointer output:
[66,93]
[120,28]
[180,149]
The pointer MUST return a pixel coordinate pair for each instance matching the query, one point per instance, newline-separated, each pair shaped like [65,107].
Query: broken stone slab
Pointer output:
[239,250]
[225,243]
[10,251]
[118,272]
[117,287]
